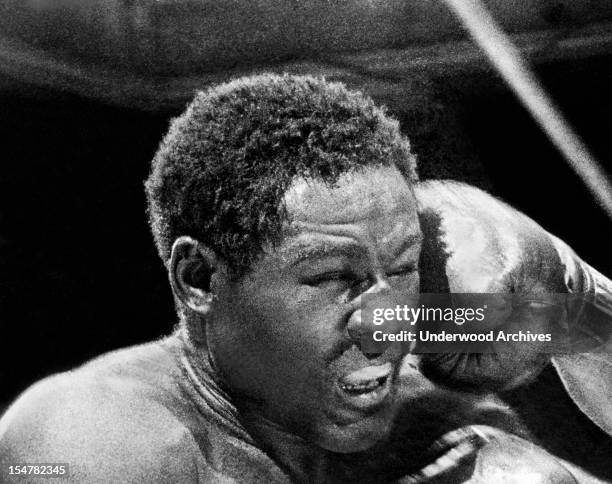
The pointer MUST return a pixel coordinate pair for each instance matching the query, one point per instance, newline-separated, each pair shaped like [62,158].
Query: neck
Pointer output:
[209,386]
[302,461]
[297,457]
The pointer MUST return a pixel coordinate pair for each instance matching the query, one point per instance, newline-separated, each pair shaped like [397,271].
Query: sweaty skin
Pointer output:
[289,317]
[263,403]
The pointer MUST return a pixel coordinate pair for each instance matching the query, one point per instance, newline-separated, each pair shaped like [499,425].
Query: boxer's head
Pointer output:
[275,203]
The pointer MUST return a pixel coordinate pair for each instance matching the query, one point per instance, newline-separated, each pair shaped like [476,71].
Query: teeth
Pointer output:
[363,387]
[368,374]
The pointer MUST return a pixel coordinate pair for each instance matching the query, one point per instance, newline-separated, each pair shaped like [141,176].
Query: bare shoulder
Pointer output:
[102,424]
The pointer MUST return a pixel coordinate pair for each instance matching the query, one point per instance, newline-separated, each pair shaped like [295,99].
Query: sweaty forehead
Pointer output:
[366,194]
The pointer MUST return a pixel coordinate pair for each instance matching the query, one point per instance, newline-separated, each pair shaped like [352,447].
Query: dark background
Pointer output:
[78,271]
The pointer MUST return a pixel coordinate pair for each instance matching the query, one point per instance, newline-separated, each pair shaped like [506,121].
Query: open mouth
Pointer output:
[362,388]
[367,386]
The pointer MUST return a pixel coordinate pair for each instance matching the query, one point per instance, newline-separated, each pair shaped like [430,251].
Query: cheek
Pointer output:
[283,337]
[282,361]
[305,328]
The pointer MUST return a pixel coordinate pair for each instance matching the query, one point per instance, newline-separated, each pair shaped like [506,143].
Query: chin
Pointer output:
[356,437]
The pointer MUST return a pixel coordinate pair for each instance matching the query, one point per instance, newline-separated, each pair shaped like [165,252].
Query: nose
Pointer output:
[355,333]
[354,327]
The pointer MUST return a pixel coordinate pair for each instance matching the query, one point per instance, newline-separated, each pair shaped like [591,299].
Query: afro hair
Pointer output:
[221,171]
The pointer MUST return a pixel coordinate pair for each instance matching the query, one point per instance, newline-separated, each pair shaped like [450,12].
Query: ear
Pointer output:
[192,266]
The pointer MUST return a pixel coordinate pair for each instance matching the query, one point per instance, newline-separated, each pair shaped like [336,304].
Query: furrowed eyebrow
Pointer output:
[301,251]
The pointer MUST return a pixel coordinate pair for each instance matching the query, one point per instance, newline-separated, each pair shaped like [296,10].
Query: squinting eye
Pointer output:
[403,271]
[332,277]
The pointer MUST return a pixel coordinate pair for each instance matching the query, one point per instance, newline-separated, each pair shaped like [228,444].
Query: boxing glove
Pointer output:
[501,458]
[474,243]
